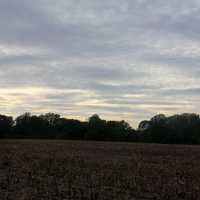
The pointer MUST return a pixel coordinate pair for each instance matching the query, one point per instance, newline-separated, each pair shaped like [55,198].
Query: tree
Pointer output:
[70,129]
[182,129]
[96,128]
[32,126]
[6,124]
[185,128]
[119,131]
[51,118]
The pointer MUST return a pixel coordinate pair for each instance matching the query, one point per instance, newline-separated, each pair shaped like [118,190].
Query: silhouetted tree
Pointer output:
[119,131]
[71,129]
[6,124]
[28,126]
[184,128]
[180,129]
[96,128]
[51,118]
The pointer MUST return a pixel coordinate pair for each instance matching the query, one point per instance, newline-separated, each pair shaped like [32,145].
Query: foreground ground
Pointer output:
[71,170]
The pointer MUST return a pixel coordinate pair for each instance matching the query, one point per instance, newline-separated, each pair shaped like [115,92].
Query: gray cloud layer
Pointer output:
[123,59]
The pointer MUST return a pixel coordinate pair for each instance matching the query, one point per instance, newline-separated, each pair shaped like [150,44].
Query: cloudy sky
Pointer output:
[122,59]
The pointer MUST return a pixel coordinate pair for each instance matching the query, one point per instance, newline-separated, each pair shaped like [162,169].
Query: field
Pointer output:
[75,170]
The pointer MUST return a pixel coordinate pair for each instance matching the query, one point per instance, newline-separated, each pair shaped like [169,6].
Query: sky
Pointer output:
[122,59]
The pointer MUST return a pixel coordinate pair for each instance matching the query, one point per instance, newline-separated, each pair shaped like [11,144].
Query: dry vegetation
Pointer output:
[58,170]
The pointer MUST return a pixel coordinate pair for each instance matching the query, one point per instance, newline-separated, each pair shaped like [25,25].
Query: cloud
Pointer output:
[122,59]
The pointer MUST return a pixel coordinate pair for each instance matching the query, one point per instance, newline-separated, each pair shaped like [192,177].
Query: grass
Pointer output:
[75,170]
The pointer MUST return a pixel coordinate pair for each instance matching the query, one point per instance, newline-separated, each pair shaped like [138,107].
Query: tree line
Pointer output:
[176,129]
